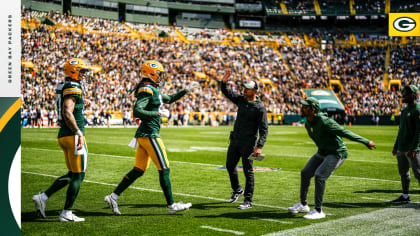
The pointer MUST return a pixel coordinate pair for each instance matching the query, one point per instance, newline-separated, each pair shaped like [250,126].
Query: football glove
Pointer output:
[164,112]
[192,86]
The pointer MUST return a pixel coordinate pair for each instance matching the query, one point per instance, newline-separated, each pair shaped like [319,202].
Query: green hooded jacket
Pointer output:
[327,135]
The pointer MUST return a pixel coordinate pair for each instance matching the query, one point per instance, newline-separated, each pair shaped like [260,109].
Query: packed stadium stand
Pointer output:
[365,70]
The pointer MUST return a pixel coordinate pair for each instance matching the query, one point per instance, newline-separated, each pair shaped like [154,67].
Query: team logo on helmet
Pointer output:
[154,65]
[154,71]
[73,67]
[73,62]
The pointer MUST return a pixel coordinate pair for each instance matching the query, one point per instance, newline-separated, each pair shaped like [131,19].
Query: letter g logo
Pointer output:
[404,24]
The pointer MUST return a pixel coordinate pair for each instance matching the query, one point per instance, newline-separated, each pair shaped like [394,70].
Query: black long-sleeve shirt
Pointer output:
[251,119]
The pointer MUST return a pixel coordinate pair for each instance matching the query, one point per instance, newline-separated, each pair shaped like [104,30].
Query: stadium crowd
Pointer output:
[116,61]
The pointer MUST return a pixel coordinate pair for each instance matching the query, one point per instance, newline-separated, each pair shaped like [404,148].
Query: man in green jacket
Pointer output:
[407,145]
[149,145]
[332,152]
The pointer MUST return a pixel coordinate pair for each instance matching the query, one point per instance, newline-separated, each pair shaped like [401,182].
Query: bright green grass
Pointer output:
[362,184]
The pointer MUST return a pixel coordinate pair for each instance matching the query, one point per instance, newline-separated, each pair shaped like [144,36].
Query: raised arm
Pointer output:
[228,93]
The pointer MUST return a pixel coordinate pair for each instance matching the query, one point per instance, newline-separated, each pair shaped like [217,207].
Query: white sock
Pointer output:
[114,196]
[44,197]
[405,195]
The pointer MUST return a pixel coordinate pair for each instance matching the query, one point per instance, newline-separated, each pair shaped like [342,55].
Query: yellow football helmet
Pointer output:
[154,71]
[73,67]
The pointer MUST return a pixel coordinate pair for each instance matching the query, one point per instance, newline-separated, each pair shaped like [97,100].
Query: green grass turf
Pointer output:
[362,184]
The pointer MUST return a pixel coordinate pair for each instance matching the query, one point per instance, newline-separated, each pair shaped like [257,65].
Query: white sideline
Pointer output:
[222,230]
[155,190]
[388,221]
[272,220]
[214,165]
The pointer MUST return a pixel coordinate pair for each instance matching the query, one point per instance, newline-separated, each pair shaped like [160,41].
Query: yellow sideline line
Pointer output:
[9,114]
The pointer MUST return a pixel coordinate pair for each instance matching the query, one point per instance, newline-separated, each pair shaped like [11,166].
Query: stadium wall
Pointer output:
[111,15]
[41,6]
[146,19]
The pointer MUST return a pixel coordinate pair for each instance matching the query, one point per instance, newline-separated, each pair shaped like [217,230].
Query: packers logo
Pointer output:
[73,62]
[153,65]
[404,24]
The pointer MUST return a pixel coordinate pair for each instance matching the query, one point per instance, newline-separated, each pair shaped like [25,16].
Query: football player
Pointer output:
[149,144]
[70,138]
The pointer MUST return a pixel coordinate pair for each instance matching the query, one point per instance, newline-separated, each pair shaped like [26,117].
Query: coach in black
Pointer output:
[251,119]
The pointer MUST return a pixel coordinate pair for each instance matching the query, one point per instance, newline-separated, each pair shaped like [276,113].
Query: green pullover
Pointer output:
[327,134]
[409,132]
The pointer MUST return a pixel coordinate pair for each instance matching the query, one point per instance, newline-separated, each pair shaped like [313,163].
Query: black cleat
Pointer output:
[235,196]
[401,199]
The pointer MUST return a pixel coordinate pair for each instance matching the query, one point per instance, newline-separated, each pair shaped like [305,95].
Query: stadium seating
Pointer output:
[283,63]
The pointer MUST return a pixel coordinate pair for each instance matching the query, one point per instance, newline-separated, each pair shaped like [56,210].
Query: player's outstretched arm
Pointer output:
[371,145]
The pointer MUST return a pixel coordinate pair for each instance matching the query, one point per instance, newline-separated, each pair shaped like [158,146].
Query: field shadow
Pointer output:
[358,204]
[52,215]
[159,207]
[211,205]
[387,191]
[32,216]
[245,214]
[140,205]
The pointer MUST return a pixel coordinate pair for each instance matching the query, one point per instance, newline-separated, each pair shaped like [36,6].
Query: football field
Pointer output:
[355,201]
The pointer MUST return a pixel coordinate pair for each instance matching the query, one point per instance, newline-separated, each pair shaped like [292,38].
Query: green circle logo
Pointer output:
[404,24]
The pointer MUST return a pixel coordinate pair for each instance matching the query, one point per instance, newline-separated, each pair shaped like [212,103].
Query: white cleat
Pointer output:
[313,215]
[69,217]
[40,204]
[113,204]
[179,206]
[298,208]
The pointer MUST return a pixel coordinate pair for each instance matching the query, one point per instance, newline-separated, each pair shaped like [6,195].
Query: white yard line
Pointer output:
[224,149]
[156,190]
[214,165]
[222,230]
[272,220]
[388,221]
[379,199]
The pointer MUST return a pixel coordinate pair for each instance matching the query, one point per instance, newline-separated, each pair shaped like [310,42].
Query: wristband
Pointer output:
[79,133]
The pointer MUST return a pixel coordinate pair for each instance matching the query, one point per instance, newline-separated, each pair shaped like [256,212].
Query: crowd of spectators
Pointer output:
[289,69]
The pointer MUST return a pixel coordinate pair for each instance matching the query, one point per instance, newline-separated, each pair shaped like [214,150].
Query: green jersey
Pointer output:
[409,132]
[326,133]
[149,99]
[70,89]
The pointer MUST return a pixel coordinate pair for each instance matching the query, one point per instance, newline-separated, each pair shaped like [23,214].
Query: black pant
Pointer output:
[235,152]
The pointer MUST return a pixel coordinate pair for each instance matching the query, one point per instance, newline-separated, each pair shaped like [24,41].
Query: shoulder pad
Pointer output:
[145,90]
[72,88]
